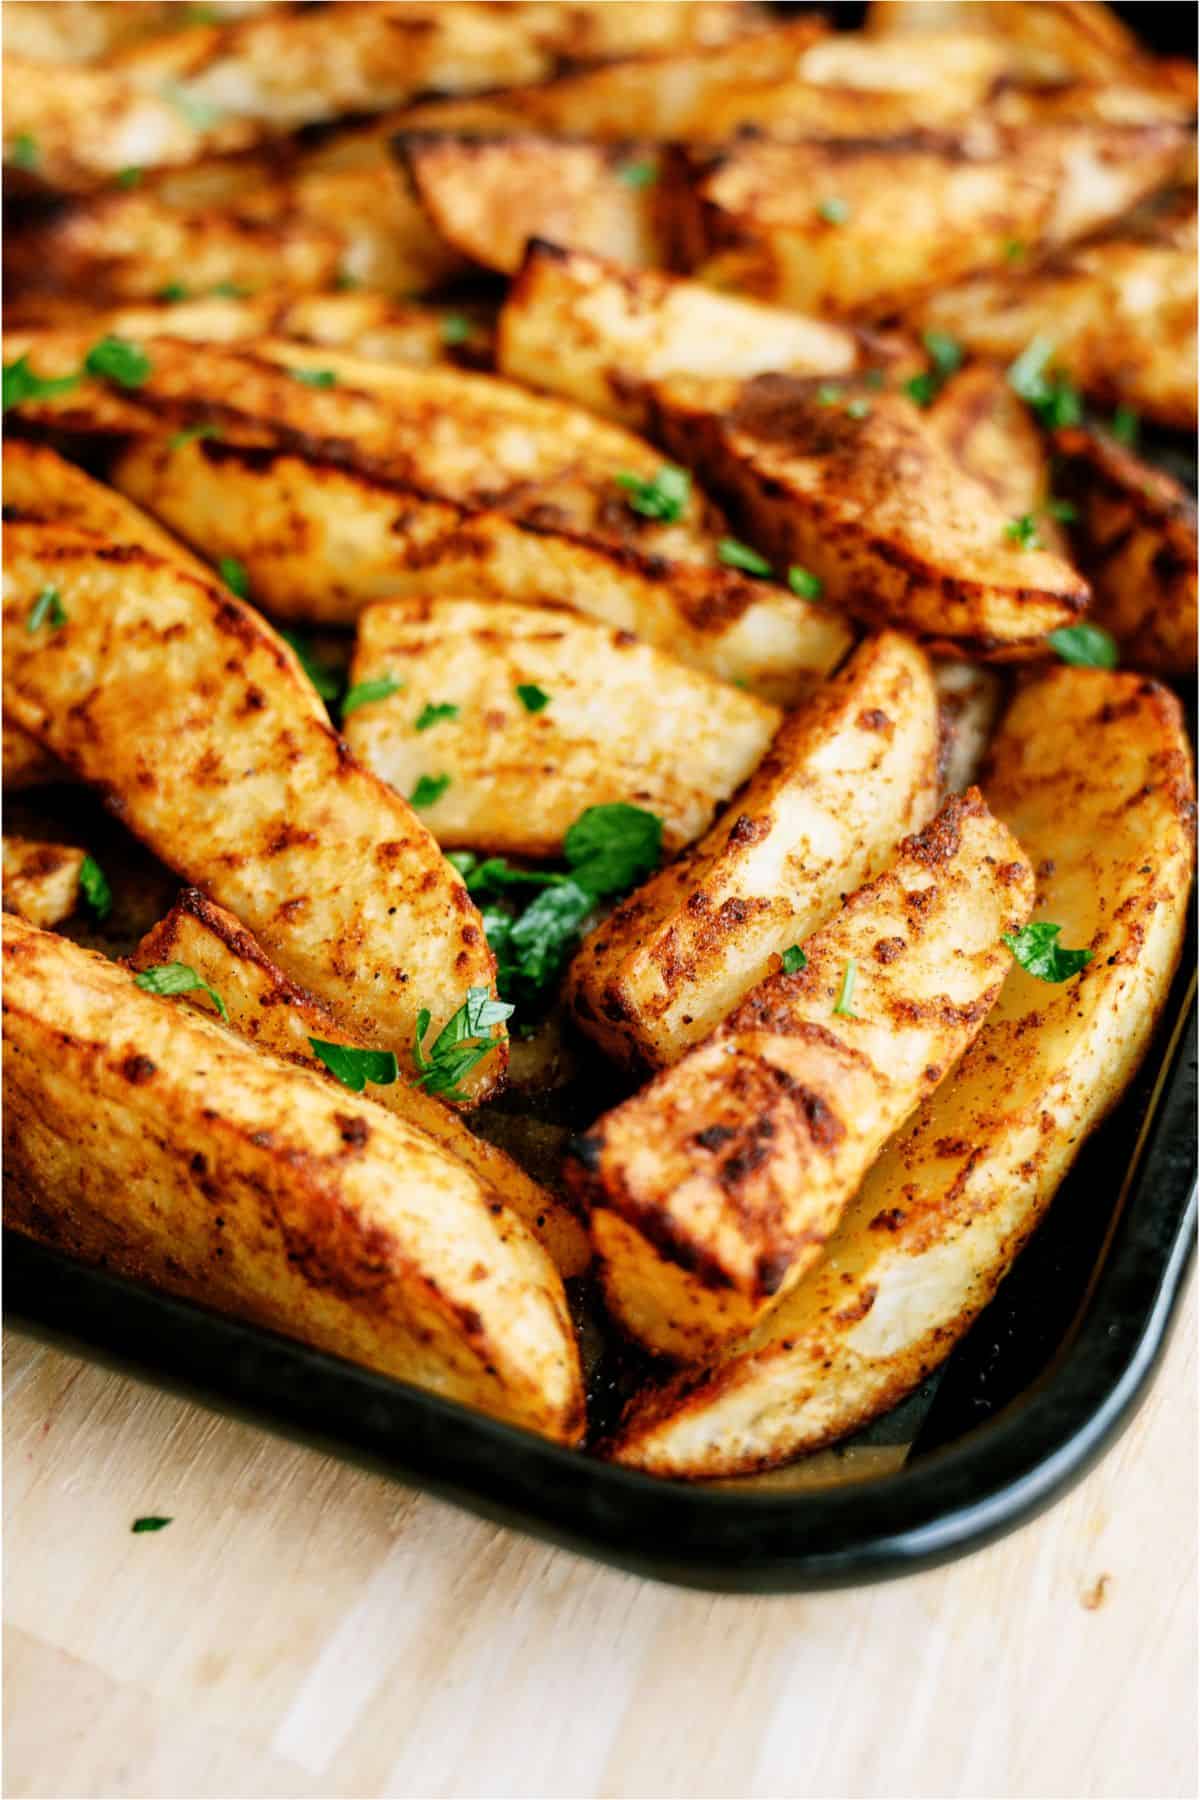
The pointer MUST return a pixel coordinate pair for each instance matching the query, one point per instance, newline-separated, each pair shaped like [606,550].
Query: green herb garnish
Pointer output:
[460,1046]
[833,211]
[233,574]
[1125,426]
[858,408]
[829,393]
[354,1067]
[805,583]
[130,177]
[1036,949]
[638,174]
[201,115]
[1065,511]
[47,609]
[94,886]
[736,555]
[793,960]
[946,355]
[21,384]
[365,693]
[428,791]
[664,497]
[1048,392]
[177,978]
[533,698]
[172,294]
[116,359]
[25,151]
[190,433]
[1024,532]
[317,378]
[845,1000]
[431,714]
[1014,250]
[150,1522]
[228,290]
[456,328]
[1087,646]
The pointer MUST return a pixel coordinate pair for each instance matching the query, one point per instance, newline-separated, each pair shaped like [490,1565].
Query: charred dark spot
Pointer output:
[890,1219]
[354,1131]
[138,1070]
[888,949]
[713,1137]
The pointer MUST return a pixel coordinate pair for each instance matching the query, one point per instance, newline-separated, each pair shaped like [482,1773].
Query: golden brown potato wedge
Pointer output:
[144,1136]
[1047,42]
[715,1188]
[57,31]
[1136,537]
[41,881]
[850,774]
[530,716]
[595,332]
[990,432]
[485,197]
[25,763]
[1092,774]
[970,696]
[264,1006]
[853,486]
[866,229]
[1118,316]
[194,718]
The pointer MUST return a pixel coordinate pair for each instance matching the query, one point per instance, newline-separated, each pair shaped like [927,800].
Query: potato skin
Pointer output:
[848,775]
[922,211]
[278,1016]
[713,1190]
[595,331]
[190,713]
[1136,538]
[623,722]
[141,1134]
[1092,771]
[859,490]
[41,881]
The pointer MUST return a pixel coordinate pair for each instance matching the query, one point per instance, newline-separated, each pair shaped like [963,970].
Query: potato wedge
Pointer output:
[25,763]
[485,197]
[713,1190]
[264,1006]
[81,30]
[1092,772]
[850,774]
[41,881]
[863,230]
[594,332]
[1046,42]
[1119,316]
[194,718]
[143,1136]
[970,696]
[549,714]
[1136,532]
[855,487]
[990,432]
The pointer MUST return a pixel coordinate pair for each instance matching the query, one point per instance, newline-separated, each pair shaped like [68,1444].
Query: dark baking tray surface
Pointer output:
[1026,1403]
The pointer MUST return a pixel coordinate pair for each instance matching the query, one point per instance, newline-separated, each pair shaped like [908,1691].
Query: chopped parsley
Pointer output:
[1036,949]
[638,174]
[177,978]
[47,609]
[354,1067]
[833,211]
[1065,511]
[432,714]
[946,355]
[116,359]
[130,177]
[533,698]
[736,555]
[793,960]
[21,384]
[456,328]
[1047,391]
[460,1046]
[190,433]
[327,681]
[1014,250]
[25,151]
[233,574]
[805,583]
[428,791]
[608,849]
[829,393]
[1024,532]
[858,408]
[664,497]
[150,1522]
[228,290]
[1125,426]
[172,294]
[94,886]
[1087,646]
[845,1000]
[365,693]
[318,378]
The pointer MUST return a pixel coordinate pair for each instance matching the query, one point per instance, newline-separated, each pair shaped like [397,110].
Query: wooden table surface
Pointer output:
[305,1628]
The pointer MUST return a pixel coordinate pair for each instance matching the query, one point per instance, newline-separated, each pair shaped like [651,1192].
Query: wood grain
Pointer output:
[305,1628]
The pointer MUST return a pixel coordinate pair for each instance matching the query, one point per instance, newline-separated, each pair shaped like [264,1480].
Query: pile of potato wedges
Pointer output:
[595,602]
